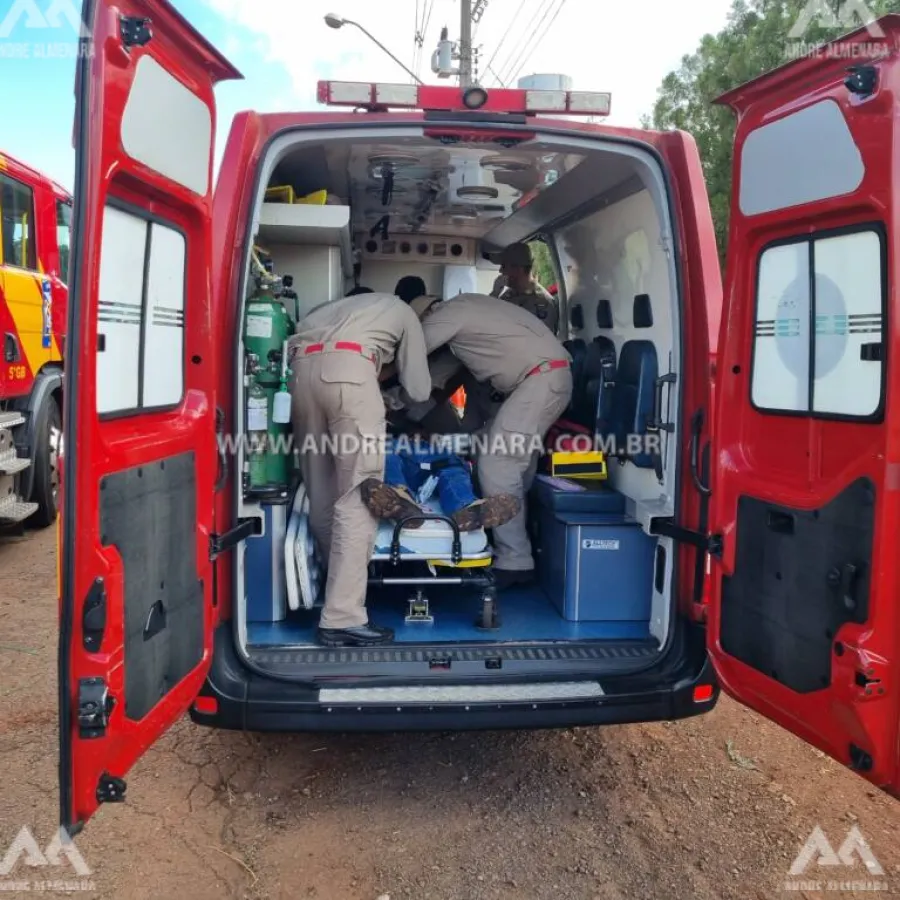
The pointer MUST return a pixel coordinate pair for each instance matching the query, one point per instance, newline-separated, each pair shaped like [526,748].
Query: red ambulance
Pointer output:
[789,486]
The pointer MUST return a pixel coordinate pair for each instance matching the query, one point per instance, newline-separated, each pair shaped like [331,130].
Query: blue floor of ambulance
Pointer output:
[526,615]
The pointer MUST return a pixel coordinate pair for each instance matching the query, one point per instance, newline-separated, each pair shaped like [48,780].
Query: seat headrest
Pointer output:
[643,311]
[604,315]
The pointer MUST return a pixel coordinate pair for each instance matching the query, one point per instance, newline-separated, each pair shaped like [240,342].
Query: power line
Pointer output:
[526,54]
[506,34]
[511,58]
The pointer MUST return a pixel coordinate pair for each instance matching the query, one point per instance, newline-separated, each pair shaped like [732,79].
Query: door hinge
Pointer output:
[94,707]
[93,617]
[111,789]
[135,31]
[221,543]
[709,543]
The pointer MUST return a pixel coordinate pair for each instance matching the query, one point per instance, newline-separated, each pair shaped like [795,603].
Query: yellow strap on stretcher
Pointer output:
[464,564]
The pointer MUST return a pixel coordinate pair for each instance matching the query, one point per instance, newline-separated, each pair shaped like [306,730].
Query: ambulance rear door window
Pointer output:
[819,346]
[140,320]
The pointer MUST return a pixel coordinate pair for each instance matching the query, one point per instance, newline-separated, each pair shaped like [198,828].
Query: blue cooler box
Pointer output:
[596,568]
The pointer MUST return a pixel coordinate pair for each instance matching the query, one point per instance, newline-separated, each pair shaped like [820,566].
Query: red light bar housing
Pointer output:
[379,96]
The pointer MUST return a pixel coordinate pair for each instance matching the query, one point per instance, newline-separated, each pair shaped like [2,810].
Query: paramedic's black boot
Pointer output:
[362,636]
[505,579]
[387,502]
[492,512]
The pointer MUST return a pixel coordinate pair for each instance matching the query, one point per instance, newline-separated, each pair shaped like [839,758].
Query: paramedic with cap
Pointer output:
[522,288]
[335,357]
[504,345]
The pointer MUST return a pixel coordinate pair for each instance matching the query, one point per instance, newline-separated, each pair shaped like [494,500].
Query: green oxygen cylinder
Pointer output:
[257,429]
[267,326]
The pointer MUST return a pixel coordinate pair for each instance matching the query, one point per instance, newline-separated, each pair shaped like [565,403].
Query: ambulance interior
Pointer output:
[337,211]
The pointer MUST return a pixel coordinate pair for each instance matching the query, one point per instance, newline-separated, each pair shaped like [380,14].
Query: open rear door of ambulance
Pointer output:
[140,456]
[804,623]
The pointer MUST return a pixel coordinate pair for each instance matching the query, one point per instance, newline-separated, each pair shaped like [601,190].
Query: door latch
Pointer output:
[93,617]
[94,706]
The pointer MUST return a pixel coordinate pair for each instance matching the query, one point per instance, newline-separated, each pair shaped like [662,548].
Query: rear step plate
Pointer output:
[404,660]
[544,692]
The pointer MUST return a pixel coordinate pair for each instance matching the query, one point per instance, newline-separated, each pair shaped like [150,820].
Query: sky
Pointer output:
[283,47]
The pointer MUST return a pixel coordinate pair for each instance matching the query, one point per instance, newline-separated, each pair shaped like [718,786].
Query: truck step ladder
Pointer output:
[12,509]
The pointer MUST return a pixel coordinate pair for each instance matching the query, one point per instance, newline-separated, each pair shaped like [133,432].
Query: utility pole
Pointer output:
[465,44]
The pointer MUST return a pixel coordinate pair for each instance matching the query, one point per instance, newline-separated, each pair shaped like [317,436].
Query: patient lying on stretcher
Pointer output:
[412,476]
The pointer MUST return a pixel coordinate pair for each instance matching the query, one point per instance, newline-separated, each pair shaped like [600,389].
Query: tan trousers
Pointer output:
[336,396]
[510,463]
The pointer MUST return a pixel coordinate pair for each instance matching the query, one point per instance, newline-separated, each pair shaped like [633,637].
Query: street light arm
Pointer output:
[375,40]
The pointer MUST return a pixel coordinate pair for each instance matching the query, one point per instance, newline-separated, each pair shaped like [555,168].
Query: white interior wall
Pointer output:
[318,277]
[616,254]
[383,275]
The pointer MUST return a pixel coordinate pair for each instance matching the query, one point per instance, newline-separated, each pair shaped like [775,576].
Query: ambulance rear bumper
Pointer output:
[234,697]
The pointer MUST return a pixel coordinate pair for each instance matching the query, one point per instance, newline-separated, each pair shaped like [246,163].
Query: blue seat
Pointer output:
[633,398]
[599,384]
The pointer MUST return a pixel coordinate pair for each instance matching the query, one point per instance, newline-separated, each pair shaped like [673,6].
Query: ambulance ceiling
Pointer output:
[424,187]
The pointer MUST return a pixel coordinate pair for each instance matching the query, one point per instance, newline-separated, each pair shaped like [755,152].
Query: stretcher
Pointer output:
[436,553]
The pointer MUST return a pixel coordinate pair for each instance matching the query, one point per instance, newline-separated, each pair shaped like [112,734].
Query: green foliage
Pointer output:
[755,40]
[543,263]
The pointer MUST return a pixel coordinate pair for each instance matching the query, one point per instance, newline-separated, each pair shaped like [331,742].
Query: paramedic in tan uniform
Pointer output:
[517,354]
[336,356]
[521,287]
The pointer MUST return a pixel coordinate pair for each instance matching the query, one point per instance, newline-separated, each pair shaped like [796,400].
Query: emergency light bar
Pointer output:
[376,95]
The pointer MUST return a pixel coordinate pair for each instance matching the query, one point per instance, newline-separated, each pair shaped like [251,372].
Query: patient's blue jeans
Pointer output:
[404,469]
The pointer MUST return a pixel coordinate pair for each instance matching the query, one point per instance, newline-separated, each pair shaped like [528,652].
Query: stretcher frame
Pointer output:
[474,571]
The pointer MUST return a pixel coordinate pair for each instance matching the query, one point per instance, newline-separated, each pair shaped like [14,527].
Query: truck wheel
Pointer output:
[46,464]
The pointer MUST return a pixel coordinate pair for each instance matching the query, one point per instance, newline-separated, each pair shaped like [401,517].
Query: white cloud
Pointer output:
[626,48]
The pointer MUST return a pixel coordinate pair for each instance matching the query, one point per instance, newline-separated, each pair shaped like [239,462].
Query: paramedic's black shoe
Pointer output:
[361,636]
[488,513]
[504,579]
[387,502]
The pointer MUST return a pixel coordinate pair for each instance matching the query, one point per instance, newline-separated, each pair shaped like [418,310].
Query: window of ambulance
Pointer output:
[63,237]
[17,223]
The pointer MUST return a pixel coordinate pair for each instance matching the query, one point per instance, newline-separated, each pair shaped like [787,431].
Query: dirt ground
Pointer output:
[714,807]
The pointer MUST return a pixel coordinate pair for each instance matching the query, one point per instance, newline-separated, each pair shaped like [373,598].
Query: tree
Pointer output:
[755,39]
[543,268]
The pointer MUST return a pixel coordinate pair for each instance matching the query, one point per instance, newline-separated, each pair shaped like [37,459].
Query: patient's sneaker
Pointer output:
[488,513]
[387,502]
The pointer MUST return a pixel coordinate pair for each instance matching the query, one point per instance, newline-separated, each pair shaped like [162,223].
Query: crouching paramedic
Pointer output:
[337,409]
[517,354]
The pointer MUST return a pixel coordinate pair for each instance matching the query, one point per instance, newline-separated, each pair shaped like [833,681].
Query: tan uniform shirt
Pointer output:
[538,302]
[496,341]
[384,325]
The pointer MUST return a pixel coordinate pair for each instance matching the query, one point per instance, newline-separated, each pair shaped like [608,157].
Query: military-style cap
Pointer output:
[517,255]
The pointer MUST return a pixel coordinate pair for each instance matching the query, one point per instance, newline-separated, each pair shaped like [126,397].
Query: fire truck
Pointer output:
[35,215]
[748,546]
